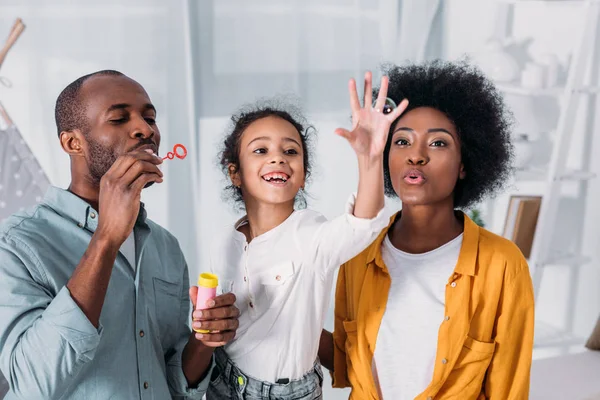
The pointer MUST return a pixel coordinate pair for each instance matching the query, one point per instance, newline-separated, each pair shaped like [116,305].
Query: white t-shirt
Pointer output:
[407,339]
[128,250]
[283,281]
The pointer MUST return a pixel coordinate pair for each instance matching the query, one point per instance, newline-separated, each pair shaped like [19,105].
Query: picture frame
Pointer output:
[521,221]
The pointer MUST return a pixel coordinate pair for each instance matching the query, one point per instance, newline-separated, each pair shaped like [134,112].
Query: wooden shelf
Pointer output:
[531,174]
[537,174]
[556,91]
[577,175]
[513,88]
[553,2]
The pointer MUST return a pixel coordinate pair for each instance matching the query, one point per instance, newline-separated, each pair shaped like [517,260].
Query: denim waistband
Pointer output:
[243,383]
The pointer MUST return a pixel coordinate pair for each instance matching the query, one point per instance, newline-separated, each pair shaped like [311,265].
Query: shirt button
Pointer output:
[278,278]
[146,385]
[80,225]
[244,279]
[447,318]
[93,215]
[251,305]
[444,361]
[141,333]
[453,284]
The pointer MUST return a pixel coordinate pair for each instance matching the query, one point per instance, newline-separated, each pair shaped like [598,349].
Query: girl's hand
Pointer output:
[370,126]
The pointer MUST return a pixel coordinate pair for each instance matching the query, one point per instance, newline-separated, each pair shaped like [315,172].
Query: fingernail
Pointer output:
[197,325]
[150,151]
[210,303]
[199,336]
[198,314]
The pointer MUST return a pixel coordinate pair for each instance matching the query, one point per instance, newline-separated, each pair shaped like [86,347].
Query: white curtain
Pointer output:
[243,51]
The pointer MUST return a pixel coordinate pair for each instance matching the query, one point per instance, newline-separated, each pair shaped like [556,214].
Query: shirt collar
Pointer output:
[467,259]
[265,236]
[78,210]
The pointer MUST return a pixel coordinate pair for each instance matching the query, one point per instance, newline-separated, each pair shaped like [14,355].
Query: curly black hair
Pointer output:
[475,106]
[242,119]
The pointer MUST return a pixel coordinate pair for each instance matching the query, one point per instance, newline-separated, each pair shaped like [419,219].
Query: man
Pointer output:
[93,295]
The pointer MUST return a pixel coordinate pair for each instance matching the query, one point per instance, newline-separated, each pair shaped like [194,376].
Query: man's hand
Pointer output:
[120,193]
[220,318]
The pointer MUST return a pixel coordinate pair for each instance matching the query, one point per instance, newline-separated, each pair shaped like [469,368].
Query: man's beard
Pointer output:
[100,159]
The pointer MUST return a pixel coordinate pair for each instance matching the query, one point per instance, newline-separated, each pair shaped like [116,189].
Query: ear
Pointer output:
[72,142]
[234,175]
[462,173]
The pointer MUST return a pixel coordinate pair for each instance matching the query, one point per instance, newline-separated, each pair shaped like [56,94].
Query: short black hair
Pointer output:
[475,106]
[69,111]
[242,119]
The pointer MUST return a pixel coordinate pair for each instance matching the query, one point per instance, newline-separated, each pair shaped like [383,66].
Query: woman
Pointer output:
[437,307]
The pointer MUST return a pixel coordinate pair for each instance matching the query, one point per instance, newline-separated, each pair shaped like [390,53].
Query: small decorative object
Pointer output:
[475,215]
[527,118]
[497,63]
[593,342]
[552,65]
[533,76]
[523,151]
[521,221]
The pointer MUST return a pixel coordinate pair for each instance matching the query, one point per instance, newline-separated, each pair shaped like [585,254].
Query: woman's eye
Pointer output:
[260,151]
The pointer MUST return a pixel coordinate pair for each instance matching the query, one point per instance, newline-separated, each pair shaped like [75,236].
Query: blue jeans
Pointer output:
[229,382]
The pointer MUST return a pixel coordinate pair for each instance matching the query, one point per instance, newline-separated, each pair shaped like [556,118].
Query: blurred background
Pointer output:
[201,60]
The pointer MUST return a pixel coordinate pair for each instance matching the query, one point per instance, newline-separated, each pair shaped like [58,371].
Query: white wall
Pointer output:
[553,27]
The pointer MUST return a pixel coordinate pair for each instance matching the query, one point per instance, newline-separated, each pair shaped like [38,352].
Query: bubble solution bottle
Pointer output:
[207,289]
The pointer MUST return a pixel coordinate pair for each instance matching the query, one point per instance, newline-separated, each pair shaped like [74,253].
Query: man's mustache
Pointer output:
[145,142]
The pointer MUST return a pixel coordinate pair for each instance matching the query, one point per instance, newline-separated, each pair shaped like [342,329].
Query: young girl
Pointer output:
[280,262]
[437,307]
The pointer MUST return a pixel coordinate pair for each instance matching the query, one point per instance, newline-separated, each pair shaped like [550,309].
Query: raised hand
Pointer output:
[370,126]
[120,192]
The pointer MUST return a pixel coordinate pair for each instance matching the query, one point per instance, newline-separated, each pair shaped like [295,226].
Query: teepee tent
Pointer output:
[22,180]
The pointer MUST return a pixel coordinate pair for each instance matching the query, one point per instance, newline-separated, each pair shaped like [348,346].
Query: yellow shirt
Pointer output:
[485,341]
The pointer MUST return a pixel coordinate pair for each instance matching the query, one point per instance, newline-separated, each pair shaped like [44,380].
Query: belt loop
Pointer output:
[227,371]
[266,390]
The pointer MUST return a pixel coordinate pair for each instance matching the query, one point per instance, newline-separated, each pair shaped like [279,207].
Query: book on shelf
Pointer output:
[521,221]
